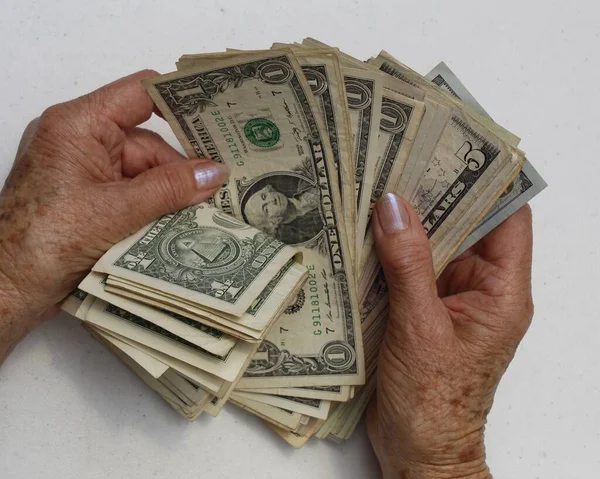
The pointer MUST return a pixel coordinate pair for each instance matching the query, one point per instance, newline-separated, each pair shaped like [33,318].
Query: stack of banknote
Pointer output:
[271,295]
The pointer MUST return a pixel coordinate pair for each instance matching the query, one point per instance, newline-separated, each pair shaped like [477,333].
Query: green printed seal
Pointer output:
[262,132]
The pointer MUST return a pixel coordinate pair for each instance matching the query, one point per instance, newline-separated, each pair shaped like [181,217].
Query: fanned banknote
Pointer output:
[316,408]
[201,255]
[400,121]
[210,339]
[205,265]
[117,320]
[468,170]
[364,92]
[527,185]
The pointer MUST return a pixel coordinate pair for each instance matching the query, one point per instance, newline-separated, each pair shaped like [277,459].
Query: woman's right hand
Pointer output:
[447,344]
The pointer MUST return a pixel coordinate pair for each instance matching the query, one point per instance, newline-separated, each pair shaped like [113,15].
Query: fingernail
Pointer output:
[210,175]
[392,214]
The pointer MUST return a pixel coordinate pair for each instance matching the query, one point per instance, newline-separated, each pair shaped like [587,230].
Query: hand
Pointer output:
[85,177]
[447,345]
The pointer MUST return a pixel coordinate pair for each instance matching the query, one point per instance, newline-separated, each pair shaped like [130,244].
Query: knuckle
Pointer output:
[516,317]
[52,116]
[92,106]
[148,72]
[32,125]
[60,120]
[526,317]
[409,259]
[171,188]
[529,309]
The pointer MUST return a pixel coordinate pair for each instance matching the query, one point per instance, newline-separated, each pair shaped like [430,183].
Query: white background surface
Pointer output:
[68,409]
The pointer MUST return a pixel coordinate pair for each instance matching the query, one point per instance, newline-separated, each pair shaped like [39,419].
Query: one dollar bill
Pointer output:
[257,114]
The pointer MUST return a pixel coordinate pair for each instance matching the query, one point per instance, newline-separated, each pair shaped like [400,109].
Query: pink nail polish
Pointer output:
[392,214]
[210,175]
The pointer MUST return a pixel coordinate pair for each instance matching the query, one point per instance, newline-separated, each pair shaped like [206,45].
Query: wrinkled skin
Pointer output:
[447,346]
[85,177]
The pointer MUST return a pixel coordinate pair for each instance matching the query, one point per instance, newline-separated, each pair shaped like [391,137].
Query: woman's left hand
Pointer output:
[85,177]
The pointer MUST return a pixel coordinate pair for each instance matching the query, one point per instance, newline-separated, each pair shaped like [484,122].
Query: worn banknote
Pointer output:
[364,92]
[202,255]
[207,266]
[114,319]
[257,114]
[468,170]
[323,72]
[210,339]
[526,185]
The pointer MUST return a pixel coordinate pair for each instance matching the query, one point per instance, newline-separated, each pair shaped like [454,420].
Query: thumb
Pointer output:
[169,188]
[405,254]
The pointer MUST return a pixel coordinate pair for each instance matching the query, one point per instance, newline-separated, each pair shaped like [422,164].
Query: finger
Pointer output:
[405,255]
[125,101]
[510,244]
[144,149]
[166,189]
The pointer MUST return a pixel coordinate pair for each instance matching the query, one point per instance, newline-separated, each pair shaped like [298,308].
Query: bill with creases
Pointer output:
[288,420]
[294,439]
[309,407]
[432,94]
[210,339]
[342,425]
[73,302]
[128,357]
[252,326]
[258,115]
[387,62]
[287,285]
[151,364]
[527,185]
[463,169]
[466,173]
[112,318]
[201,255]
[323,73]
[146,356]
[364,88]
[183,405]
[327,393]
[398,127]
[364,95]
